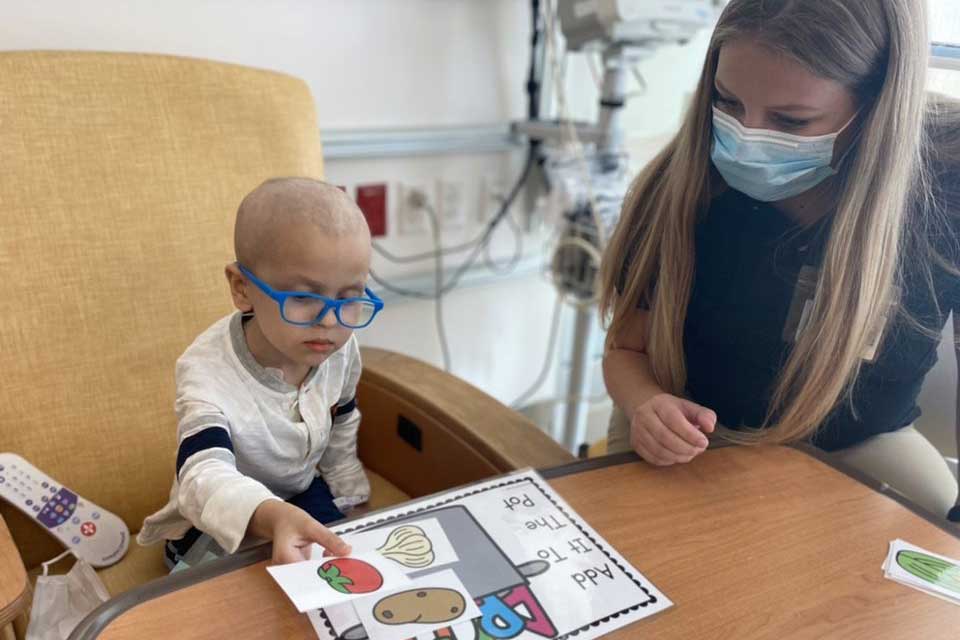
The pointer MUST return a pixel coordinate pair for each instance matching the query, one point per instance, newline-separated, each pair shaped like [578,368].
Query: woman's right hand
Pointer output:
[667,430]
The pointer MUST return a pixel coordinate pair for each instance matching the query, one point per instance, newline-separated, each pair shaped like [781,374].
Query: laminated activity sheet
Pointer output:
[502,559]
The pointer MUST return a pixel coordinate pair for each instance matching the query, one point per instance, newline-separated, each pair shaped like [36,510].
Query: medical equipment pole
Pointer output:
[610,155]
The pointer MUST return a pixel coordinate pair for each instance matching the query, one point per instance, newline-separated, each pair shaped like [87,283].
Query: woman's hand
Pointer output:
[668,430]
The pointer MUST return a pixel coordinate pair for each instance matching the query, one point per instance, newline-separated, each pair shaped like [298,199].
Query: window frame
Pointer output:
[945,56]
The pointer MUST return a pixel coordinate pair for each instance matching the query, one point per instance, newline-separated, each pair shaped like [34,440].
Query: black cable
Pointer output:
[478,248]
[536,62]
[514,260]
[534,158]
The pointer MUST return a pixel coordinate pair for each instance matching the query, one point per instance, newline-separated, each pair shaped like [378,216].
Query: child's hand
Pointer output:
[293,530]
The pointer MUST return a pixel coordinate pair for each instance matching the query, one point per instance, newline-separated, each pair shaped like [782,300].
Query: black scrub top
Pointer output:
[739,329]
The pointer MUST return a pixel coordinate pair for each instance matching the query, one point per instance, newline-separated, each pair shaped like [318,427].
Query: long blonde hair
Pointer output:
[879,50]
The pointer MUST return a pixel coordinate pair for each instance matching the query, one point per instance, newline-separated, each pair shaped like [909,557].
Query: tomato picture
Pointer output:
[347,575]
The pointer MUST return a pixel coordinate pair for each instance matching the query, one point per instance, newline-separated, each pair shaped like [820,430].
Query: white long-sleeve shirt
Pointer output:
[245,436]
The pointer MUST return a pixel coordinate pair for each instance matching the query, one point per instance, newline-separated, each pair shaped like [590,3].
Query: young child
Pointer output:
[265,397]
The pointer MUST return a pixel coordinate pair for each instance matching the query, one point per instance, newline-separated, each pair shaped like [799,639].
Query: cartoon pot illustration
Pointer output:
[347,575]
[409,546]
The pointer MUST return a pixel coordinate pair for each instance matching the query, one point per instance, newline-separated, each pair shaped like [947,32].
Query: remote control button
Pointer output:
[95,515]
[58,508]
[75,521]
[60,520]
[44,498]
[36,508]
[46,484]
[88,529]
[29,503]
[1,467]
[75,540]
[2,480]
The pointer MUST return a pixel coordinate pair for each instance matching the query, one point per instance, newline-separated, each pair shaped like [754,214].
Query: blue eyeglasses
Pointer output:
[308,309]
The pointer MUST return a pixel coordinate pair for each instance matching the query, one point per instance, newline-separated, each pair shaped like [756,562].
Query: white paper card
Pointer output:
[320,582]
[414,547]
[924,570]
[433,602]
[535,569]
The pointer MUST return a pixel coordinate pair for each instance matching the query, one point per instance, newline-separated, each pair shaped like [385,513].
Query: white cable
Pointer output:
[438,301]
[641,82]
[548,358]
[592,63]
[482,239]
[419,199]
[517,256]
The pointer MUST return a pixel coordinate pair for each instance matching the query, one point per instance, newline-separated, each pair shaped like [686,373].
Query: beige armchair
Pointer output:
[121,174]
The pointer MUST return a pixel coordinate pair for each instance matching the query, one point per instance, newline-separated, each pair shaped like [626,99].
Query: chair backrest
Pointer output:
[120,175]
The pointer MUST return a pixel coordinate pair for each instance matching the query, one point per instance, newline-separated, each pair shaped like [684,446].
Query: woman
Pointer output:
[786,265]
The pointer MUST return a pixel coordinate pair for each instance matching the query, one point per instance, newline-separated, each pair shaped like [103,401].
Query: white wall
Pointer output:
[370,63]
[944,21]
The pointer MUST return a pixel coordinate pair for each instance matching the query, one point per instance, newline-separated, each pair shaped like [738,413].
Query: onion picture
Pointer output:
[409,546]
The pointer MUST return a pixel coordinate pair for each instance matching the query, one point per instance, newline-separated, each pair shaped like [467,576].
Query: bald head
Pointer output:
[280,204]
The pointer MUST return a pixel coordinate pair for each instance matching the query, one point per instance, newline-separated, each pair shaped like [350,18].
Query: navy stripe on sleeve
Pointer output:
[210,438]
[344,409]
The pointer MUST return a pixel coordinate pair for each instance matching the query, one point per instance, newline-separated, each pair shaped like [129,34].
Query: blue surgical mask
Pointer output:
[769,165]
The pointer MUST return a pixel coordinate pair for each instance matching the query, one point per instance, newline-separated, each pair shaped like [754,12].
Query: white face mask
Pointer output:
[60,603]
[770,165]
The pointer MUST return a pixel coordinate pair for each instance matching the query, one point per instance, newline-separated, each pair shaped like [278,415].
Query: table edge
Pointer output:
[882,488]
[91,626]
[16,606]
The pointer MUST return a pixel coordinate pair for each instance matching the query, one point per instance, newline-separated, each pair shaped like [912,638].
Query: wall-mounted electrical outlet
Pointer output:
[372,200]
[411,216]
[450,198]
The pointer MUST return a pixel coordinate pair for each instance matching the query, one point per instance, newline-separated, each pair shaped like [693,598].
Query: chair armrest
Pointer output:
[426,430]
[14,590]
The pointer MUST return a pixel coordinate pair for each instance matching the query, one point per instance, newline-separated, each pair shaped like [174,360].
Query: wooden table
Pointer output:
[13,579]
[748,543]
